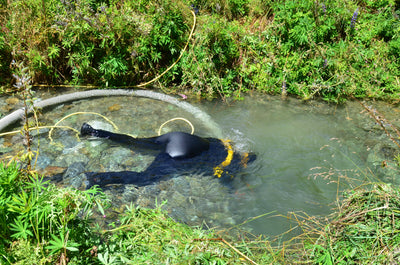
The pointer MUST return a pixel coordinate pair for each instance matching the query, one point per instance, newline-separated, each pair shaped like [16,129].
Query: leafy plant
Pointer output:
[21,228]
[61,244]
[93,42]
[10,177]
[328,49]
[23,86]
[210,67]
[35,210]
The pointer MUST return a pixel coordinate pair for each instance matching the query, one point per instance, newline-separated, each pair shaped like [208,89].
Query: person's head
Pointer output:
[86,129]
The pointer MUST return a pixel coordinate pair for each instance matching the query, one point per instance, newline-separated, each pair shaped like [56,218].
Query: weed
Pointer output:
[365,230]
[210,66]
[43,224]
[23,86]
[88,42]
[330,49]
[33,210]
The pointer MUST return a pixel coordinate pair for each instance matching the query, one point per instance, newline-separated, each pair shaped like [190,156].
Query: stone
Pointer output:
[12,101]
[114,107]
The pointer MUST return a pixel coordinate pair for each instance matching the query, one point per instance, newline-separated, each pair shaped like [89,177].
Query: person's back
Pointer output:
[180,153]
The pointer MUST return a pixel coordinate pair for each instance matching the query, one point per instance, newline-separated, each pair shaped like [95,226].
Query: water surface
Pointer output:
[307,153]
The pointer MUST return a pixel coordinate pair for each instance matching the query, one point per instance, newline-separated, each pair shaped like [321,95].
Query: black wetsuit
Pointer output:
[180,153]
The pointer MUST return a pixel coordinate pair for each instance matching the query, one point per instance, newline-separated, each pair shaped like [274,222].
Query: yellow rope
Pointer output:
[174,119]
[218,170]
[56,126]
[79,113]
[180,56]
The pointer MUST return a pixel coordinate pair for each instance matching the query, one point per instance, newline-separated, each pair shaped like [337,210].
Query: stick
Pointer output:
[229,245]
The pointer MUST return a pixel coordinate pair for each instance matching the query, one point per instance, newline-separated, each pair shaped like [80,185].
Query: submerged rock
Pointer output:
[115,107]
[43,162]
[52,170]
[74,176]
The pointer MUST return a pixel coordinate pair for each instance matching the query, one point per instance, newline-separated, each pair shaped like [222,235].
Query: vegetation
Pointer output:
[364,230]
[40,223]
[45,224]
[330,49]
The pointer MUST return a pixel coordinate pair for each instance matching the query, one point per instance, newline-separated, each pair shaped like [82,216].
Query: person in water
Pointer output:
[179,153]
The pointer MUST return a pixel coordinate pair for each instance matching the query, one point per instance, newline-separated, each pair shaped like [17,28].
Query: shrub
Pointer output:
[92,42]
[330,49]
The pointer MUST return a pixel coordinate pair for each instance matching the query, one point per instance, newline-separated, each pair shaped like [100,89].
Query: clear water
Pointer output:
[307,154]
[303,149]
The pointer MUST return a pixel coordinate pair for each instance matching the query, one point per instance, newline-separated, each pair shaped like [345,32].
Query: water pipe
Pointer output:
[195,111]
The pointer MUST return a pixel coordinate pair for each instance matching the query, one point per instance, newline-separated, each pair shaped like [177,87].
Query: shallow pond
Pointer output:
[307,153]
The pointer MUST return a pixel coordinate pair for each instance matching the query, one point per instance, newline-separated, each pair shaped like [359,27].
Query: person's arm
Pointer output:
[144,143]
[176,144]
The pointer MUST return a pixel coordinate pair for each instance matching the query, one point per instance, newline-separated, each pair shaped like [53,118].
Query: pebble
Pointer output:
[115,107]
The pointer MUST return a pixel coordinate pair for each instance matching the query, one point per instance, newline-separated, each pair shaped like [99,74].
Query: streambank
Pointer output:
[303,149]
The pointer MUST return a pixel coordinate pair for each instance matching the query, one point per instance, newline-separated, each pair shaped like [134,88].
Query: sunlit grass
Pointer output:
[362,229]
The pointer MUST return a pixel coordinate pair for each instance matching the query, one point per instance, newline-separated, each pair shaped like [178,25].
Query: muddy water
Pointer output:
[308,152]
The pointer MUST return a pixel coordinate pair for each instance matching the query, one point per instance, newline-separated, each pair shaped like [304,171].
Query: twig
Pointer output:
[229,245]
[361,213]
[380,120]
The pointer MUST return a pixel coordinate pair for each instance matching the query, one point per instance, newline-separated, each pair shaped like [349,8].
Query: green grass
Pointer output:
[333,50]
[365,228]
[45,224]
